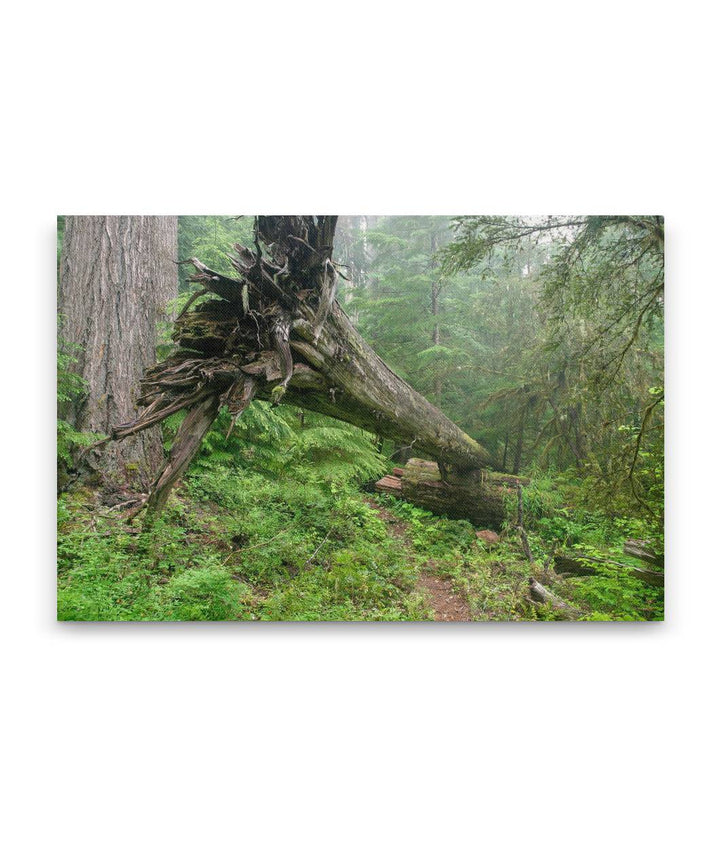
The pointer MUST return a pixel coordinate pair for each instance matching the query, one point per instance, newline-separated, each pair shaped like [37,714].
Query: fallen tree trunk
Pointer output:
[276,333]
[477,496]
[360,388]
[583,566]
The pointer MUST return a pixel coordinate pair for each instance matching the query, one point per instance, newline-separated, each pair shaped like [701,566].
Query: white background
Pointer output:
[359,739]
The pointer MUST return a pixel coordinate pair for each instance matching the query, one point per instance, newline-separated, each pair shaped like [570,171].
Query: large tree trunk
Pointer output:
[117,275]
[277,333]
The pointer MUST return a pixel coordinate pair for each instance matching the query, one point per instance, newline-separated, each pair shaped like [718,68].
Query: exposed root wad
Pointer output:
[276,332]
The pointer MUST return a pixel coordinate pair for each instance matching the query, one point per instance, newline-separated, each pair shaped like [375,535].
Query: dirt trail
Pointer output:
[445,602]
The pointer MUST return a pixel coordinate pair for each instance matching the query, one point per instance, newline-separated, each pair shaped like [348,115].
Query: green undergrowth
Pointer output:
[492,578]
[559,519]
[236,543]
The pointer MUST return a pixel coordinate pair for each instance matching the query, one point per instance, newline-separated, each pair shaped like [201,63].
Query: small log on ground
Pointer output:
[477,496]
[583,566]
[540,594]
[643,551]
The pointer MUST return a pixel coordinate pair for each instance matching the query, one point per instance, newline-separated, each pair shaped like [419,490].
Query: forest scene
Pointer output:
[360,418]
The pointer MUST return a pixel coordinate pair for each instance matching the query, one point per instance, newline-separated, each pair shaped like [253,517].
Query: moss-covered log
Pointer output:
[475,495]
[586,566]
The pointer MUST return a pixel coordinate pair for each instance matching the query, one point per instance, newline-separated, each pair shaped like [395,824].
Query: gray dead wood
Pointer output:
[643,551]
[540,594]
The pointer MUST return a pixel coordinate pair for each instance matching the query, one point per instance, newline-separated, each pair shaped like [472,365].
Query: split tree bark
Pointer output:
[275,332]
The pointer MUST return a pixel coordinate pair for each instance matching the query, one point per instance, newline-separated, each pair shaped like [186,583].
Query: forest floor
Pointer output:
[241,545]
[446,602]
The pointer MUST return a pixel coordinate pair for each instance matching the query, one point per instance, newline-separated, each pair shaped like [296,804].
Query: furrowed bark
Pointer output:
[117,275]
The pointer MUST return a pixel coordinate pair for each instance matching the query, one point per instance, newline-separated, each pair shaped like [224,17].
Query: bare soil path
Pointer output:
[446,603]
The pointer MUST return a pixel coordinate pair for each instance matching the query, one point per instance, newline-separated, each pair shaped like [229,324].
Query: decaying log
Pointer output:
[475,496]
[540,594]
[582,566]
[643,551]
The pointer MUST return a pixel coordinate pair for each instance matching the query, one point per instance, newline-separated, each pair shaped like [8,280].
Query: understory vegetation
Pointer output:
[282,529]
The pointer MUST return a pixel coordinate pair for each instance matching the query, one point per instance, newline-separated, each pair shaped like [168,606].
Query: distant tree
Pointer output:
[589,385]
[117,275]
[211,237]
[605,269]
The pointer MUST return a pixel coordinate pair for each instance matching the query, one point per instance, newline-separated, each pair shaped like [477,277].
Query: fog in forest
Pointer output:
[361,418]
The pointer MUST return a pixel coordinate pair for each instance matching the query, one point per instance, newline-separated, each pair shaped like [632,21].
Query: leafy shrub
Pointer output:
[203,593]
